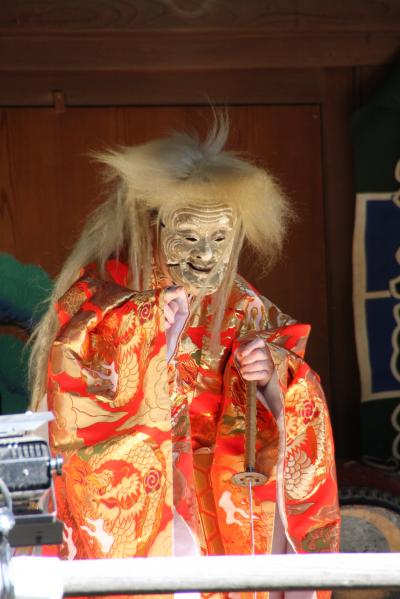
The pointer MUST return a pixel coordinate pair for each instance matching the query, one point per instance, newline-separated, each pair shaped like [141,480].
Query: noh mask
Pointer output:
[196,244]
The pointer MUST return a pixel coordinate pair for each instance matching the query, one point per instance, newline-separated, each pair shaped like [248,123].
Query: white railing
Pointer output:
[205,574]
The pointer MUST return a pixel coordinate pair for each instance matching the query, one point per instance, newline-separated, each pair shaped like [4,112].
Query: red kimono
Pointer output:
[150,446]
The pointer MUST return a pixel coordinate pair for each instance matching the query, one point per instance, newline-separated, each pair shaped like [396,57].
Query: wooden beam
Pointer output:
[141,88]
[164,51]
[292,16]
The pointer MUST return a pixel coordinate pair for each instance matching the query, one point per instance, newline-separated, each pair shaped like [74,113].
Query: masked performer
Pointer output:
[153,337]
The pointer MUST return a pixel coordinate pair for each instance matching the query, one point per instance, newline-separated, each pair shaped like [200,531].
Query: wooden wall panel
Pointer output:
[50,186]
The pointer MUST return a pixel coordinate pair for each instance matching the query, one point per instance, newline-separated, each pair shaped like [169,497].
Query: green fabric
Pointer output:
[13,371]
[24,290]
[375,132]
[377,437]
[23,293]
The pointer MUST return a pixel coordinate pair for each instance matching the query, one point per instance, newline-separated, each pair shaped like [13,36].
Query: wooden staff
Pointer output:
[250,476]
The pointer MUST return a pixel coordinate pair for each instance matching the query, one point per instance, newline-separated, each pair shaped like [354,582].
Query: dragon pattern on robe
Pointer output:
[142,438]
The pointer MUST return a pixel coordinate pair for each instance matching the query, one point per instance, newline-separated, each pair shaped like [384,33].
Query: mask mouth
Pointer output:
[205,269]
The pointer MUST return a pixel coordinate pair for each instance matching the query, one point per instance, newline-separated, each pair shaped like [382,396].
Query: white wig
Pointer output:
[155,178]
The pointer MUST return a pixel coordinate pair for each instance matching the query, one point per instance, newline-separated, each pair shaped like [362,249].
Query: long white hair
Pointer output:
[153,178]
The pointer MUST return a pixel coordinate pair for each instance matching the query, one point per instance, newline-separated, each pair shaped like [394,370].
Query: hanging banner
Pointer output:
[376,270]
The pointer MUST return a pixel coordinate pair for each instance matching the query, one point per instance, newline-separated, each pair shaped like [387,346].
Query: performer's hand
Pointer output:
[173,298]
[255,362]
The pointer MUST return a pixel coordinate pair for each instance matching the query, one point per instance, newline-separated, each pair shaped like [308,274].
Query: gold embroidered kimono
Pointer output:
[142,439]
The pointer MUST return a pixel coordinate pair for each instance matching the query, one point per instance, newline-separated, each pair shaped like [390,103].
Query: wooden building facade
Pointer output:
[79,76]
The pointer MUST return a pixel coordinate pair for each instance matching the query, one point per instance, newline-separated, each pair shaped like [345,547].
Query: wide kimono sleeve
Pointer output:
[107,387]
[295,447]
